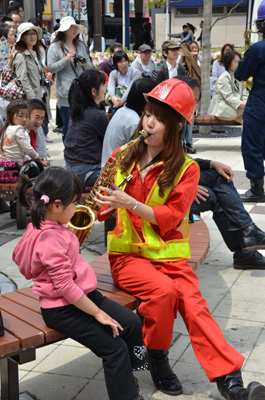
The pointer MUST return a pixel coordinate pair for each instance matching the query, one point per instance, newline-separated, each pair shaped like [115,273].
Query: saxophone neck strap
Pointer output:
[130,176]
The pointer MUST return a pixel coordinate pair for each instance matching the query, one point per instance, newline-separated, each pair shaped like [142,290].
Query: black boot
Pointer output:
[162,374]
[231,388]
[253,239]
[249,261]
[255,193]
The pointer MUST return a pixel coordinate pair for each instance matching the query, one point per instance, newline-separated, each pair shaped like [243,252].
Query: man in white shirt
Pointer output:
[170,68]
[143,62]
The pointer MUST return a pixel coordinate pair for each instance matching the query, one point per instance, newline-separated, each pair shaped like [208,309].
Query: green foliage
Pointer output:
[158,3]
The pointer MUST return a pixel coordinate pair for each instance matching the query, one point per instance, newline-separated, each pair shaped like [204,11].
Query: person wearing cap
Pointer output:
[67,58]
[27,61]
[143,62]
[253,134]
[170,67]
[153,190]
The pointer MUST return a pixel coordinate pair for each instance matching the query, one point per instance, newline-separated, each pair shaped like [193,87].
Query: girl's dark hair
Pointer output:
[21,45]
[54,182]
[13,108]
[172,155]
[228,58]
[60,38]
[261,27]
[118,56]
[80,96]
[4,29]
[221,61]
[136,100]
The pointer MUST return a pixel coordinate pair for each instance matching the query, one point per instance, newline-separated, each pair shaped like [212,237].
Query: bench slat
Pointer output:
[24,314]
[8,344]
[26,334]
[27,291]
[25,301]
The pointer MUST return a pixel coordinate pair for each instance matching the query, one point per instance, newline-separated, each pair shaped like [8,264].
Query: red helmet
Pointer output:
[176,94]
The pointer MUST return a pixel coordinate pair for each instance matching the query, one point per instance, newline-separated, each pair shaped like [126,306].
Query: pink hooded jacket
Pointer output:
[50,257]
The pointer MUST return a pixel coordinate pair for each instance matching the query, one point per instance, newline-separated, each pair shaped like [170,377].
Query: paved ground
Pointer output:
[68,371]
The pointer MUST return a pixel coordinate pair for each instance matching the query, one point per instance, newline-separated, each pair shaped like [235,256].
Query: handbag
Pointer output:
[31,168]
[9,171]
[10,86]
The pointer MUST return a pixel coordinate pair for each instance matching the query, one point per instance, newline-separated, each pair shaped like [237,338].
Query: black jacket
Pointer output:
[160,73]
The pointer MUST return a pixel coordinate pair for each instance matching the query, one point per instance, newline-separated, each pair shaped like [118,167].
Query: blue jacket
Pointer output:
[253,64]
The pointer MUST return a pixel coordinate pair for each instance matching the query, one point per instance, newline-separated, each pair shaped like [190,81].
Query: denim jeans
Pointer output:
[119,355]
[81,170]
[65,115]
[229,213]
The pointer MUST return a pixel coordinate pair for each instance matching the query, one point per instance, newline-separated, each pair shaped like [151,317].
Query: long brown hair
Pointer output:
[60,38]
[173,154]
[21,46]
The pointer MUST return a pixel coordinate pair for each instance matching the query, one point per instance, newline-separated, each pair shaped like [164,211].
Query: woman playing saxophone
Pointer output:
[148,249]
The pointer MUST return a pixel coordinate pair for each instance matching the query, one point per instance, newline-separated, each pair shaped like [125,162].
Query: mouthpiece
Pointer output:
[143,135]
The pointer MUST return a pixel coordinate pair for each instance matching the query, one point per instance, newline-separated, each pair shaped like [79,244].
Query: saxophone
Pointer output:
[83,219]
[249,82]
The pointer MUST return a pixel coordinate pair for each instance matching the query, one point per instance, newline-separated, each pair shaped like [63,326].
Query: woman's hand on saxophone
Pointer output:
[114,198]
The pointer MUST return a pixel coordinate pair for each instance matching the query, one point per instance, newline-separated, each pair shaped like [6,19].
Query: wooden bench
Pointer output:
[211,120]
[25,330]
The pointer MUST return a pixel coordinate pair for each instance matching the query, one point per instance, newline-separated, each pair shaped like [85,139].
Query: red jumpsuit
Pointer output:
[168,287]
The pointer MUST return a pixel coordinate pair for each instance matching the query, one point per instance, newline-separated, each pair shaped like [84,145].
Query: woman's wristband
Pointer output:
[135,205]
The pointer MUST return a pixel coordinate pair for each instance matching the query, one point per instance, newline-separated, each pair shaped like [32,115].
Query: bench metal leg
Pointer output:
[9,379]
[21,216]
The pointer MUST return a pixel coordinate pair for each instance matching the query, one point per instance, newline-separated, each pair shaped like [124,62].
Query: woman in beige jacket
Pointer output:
[27,62]
[229,96]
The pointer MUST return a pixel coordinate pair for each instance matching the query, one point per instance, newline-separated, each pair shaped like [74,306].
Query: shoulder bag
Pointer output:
[10,85]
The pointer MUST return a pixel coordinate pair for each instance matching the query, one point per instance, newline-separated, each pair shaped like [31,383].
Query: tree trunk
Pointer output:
[206,56]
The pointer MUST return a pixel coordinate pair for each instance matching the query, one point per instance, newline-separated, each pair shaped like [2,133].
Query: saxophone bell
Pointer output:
[82,222]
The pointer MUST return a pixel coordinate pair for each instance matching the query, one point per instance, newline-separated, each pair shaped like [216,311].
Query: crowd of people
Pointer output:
[155,186]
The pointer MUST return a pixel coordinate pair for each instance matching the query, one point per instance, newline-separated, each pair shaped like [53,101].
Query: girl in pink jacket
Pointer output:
[48,253]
